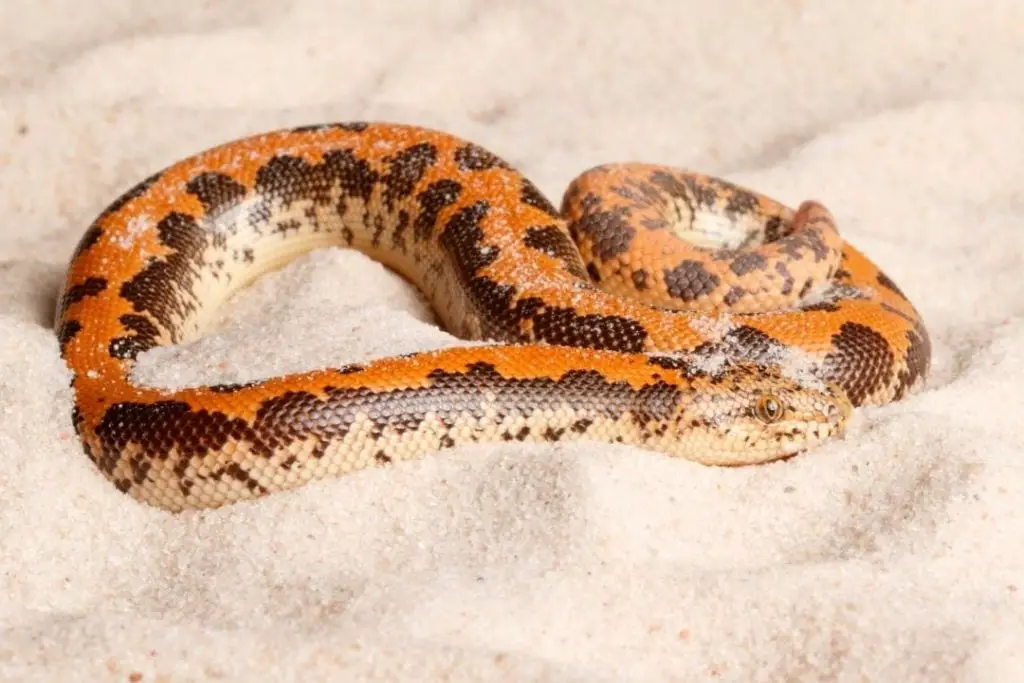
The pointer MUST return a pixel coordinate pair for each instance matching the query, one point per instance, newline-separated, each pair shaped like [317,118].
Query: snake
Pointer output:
[656,308]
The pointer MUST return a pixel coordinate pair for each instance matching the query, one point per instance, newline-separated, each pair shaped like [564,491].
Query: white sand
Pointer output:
[894,555]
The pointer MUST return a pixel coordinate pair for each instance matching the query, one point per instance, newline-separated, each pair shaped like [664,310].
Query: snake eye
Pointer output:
[768,409]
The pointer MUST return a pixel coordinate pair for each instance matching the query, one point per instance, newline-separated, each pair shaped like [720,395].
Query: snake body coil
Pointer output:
[658,308]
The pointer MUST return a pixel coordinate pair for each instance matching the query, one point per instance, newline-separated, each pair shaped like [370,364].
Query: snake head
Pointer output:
[754,414]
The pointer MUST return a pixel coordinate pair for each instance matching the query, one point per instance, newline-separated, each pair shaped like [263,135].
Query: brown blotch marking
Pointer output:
[826,306]
[897,312]
[351,368]
[91,287]
[76,422]
[698,196]
[492,302]
[350,126]
[733,295]
[887,282]
[747,262]
[290,178]
[553,241]
[401,226]
[283,226]
[472,157]
[861,361]
[163,426]
[581,425]
[669,362]
[313,128]
[382,458]
[150,291]
[642,195]
[806,288]
[687,367]
[230,388]
[91,237]
[788,281]
[238,473]
[463,239]
[432,200]
[145,335]
[655,402]
[795,244]
[917,359]
[530,195]
[673,185]
[66,333]
[608,231]
[292,415]
[405,169]
[752,344]
[592,272]
[216,191]
[378,229]
[553,434]
[136,191]
[640,279]
[740,200]
[565,326]
[774,228]
[690,280]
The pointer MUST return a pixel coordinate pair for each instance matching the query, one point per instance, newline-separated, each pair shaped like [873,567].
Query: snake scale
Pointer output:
[658,308]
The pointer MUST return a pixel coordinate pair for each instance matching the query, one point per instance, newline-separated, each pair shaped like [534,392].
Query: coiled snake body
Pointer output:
[659,308]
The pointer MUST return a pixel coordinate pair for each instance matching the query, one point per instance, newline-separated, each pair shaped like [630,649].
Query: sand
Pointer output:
[895,554]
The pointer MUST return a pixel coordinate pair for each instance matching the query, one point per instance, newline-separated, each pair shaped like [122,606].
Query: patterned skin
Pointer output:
[605,323]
